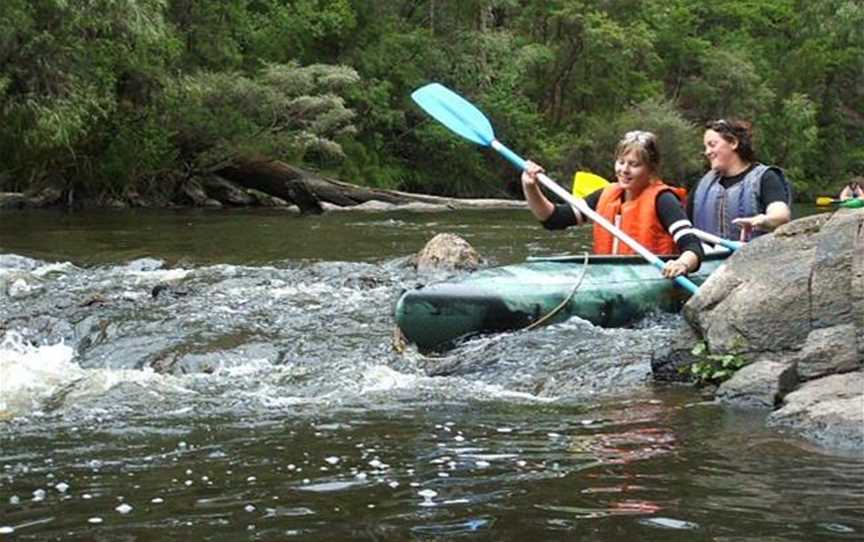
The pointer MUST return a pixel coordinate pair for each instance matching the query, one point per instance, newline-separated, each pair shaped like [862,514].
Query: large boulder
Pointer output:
[793,304]
[738,309]
[778,289]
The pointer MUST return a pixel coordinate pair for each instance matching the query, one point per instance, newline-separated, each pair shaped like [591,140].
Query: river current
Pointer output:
[229,375]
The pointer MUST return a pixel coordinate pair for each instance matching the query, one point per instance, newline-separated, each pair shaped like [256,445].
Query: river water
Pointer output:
[230,376]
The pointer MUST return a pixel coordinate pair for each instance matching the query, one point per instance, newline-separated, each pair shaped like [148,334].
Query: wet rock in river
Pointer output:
[447,251]
[144,264]
[226,192]
[673,364]
[192,193]
[167,289]
[12,200]
[829,411]
[758,385]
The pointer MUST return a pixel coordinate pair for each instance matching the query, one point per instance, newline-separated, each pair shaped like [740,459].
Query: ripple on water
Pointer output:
[669,523]
[837,528]
[627,507]
[455,527]
[332,486]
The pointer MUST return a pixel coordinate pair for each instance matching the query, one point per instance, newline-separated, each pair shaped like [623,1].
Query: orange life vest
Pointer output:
[638,219]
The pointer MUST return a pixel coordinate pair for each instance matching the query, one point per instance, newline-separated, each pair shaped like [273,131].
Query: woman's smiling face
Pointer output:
[632,173]
[719,152]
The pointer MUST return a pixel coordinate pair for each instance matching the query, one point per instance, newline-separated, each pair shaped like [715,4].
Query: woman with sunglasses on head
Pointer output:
[640,204]
[738,198]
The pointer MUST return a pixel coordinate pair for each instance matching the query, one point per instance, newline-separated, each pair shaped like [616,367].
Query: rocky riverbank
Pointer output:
[787,311]
[791,306]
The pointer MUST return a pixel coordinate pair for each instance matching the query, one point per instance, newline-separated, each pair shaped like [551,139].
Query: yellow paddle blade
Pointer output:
[824,201]
[585,183]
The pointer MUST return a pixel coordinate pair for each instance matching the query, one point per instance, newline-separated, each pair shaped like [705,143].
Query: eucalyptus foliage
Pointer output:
[283,110]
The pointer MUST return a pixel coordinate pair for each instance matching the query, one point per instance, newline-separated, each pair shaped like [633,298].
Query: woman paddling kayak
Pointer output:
[640,204]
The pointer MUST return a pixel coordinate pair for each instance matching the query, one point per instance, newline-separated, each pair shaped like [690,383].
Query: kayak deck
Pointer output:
[614,291]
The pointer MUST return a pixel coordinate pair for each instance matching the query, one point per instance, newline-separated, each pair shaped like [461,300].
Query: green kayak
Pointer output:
[614,291]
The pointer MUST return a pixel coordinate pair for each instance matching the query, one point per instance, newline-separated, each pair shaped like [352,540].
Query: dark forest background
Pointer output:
[109,97]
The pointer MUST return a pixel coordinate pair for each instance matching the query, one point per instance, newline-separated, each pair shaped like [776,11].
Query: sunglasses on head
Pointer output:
[638,136]
[720,125]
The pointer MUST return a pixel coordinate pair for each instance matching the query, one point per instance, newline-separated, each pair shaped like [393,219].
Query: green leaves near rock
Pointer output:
[713,368]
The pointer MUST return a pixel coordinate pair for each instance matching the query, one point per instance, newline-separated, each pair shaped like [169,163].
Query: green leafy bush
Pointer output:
[713,368]
[283,111]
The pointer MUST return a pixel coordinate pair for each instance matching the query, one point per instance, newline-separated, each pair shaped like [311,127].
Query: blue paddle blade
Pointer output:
[454,112]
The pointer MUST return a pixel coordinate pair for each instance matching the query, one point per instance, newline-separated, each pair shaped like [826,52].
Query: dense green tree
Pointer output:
[113,96]
[305,31]
[71,72]
[218,118]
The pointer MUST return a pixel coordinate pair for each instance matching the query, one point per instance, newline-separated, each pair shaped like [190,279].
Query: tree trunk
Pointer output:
[309,190]
[277,179]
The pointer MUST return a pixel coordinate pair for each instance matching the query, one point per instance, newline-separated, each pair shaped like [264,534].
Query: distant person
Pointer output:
[855,189]
[738,198]
[639,203]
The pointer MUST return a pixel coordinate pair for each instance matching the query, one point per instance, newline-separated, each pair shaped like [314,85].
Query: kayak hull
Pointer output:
[614,291]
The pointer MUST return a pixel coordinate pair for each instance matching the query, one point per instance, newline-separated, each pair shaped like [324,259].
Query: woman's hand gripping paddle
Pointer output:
[460,116]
